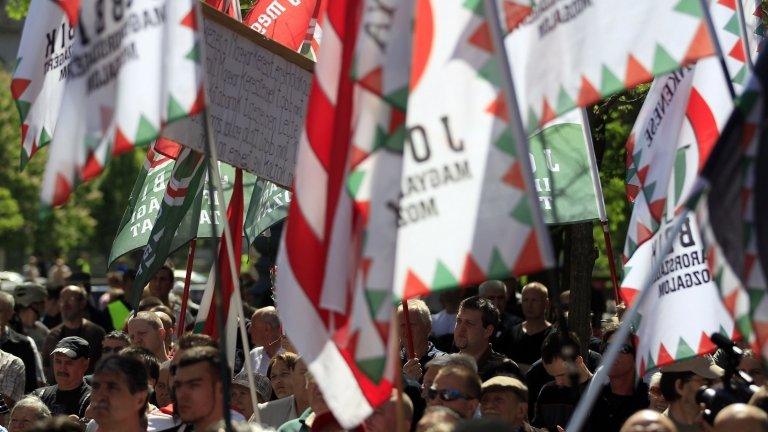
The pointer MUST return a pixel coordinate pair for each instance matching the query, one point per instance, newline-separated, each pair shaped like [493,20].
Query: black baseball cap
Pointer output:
[73,347]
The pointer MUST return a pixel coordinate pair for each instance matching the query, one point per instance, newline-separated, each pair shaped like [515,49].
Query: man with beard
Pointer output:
[71,394]
[72,302]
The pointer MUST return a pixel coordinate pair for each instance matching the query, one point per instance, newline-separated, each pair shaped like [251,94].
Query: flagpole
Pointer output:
[519,133]
[600,199]
[600,377]
[214,190]
[744,35]
[187,280]
[718,48]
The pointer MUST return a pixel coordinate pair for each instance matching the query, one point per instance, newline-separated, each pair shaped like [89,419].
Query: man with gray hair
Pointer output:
[420,322]
[267,336]
[26,413]
[17,344]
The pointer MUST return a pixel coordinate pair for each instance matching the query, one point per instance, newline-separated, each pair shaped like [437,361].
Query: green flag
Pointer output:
[562,174]
[269,205]
[180,195]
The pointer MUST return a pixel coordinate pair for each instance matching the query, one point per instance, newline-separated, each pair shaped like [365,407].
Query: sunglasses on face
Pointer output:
[446,395]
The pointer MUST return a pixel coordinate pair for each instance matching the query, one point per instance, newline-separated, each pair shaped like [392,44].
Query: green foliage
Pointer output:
[16,9]
[611,121]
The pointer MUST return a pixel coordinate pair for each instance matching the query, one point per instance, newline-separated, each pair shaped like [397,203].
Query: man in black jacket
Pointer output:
[71,394]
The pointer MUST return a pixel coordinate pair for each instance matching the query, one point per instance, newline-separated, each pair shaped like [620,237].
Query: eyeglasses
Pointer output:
[446,395]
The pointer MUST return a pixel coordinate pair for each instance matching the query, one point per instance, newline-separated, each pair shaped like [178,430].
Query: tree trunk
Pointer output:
[580,255]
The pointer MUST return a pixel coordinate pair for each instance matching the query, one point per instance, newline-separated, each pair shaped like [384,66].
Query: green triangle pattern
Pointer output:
[722,331]
[498,268]
[651,364]
[490,72]
[375,298]
[146,132]
[744,324]
[748,231]
[755,297]
[443,277]
[522,213]
[690,7]
[506,143]
[662,61]
[45,138]
[23,107]
[476,6]
[564,101]
[609,82]
[396,140]
[684,350]
[16,66]
[194,53]
[379,138]
[740,75]
[733,26]
[632,245]
[398,98]
[175,110]
[373,368]
[354,181]
[533,120]
[680,169]
[648,190]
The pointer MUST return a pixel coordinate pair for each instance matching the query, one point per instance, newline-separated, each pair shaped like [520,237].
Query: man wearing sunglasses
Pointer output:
[458,388]
[624,394]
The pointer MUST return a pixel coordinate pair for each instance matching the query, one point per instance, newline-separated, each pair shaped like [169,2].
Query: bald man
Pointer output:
[649,421]
[741,417]
[146,331]
[267,336]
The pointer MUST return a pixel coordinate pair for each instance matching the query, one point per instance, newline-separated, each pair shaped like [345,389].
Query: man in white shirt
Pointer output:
[267,336]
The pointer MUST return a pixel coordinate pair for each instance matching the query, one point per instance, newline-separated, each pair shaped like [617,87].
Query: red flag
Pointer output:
[284,21]
[235,220]
[229,7]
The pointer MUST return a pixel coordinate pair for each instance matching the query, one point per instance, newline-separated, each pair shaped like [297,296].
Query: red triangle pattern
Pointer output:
[18,86]
[357,156]
[630,149]
[657,208]
[396,119]
[643,233]
[61,190]
[628,295]
[632,192]
[588,93]
[471,272]
[636,73]
[761,331]
[364,210]
[514,14]
[199,104]
[736,335]
[642,366]
[414,287]
[729,302]
[122,143]
[547,113]
[730,4]
[701,45]
[529,259]
[372,81]
[711,259]
[190,20]
[24,130]
[514,176]
[498,108]
[749,262]
[481,38]
[91,169]
[70,7]
[737,51]
[664,357]
[642,173]
[705,344]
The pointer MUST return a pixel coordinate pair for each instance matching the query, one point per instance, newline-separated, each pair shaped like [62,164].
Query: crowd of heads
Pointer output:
[497,357]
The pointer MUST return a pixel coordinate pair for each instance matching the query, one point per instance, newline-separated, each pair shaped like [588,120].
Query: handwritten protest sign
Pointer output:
[257,92]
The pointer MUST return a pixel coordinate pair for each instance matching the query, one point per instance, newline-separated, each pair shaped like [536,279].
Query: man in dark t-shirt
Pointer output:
[70,394]
[523,344]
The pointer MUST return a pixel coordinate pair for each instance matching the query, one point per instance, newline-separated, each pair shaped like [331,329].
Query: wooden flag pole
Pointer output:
[718,48]
[744,35]
[600,198]
[187,279]
[408,334]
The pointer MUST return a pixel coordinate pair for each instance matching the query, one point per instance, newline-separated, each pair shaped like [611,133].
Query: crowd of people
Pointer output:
[482,359]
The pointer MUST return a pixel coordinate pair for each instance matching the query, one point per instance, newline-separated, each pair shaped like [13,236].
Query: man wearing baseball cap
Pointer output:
[679,384]
[71,394]
[506,399]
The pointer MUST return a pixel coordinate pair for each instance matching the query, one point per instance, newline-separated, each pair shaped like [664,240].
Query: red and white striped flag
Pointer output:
[336,261]
[285,21]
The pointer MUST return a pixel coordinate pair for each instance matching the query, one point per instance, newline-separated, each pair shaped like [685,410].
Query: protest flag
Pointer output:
[229,7]
[285,21]
[561,58]
[732,215]
[481,191]
[118,91]
[336,260]
[183,186]
[268,205]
